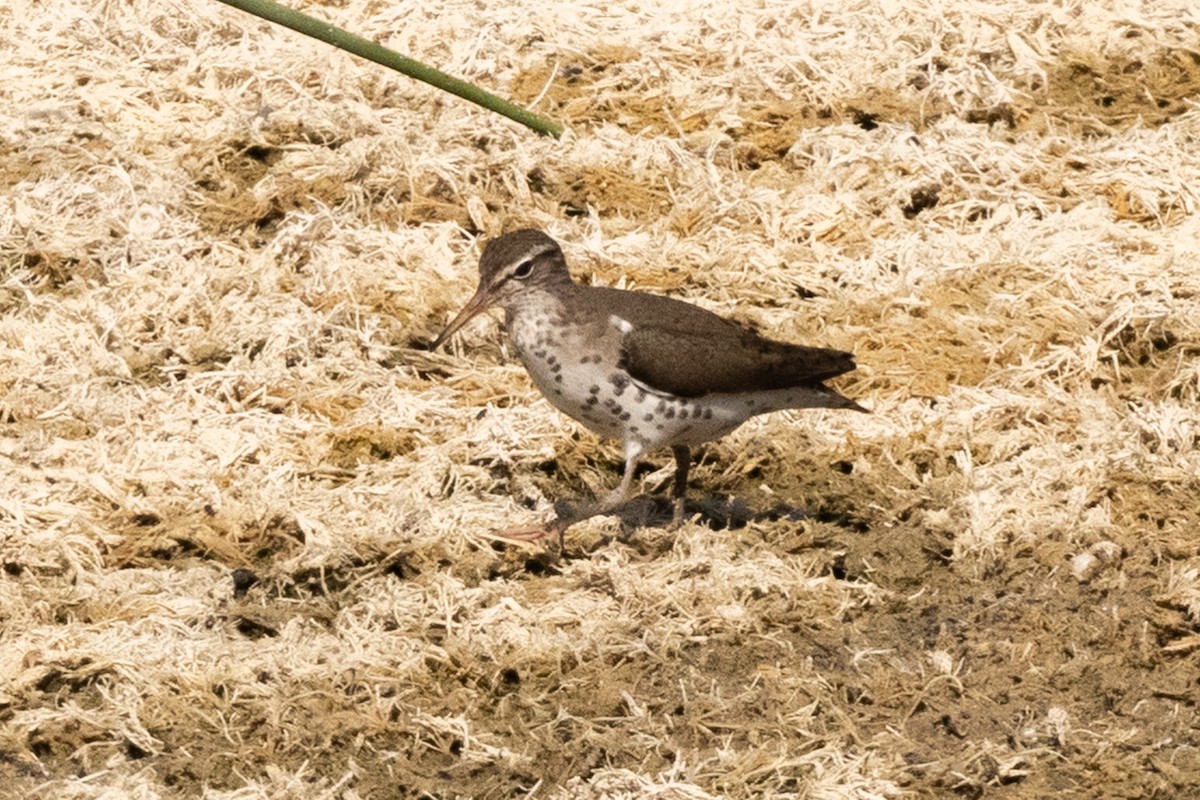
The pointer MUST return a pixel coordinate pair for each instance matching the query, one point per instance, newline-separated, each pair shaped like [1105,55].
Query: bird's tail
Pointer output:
[839,400]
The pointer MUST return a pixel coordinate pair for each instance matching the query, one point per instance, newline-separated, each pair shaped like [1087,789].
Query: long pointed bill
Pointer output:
[473,308]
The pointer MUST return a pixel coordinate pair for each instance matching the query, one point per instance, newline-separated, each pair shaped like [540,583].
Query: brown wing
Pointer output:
[682,349]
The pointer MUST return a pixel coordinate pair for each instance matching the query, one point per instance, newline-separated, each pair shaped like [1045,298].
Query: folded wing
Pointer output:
[687,351]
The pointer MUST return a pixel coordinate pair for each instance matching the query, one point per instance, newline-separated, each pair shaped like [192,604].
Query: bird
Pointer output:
[649,370]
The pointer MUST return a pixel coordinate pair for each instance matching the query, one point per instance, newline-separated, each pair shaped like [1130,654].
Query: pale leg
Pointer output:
[611,501]
[618,495]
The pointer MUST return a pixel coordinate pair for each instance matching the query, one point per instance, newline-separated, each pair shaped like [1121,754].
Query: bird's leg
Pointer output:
[618,495]
[683,461]
[609,503]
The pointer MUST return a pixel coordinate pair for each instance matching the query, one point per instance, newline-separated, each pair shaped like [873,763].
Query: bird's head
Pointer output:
[512,266]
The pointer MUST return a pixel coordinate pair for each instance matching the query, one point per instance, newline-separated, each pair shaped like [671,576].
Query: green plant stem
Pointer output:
[310,26]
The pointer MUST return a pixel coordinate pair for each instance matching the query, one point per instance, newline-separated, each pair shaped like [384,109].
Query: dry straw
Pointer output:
[225,248]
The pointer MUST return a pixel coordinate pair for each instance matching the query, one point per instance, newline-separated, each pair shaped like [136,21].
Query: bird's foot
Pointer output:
[555,528]
[632,513]
[525,533]
[567,514]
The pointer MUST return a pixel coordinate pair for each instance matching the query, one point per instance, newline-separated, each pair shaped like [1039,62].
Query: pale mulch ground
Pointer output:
[224,249]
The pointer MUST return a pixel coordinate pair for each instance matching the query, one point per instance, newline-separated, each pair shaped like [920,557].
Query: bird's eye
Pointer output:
[523,269]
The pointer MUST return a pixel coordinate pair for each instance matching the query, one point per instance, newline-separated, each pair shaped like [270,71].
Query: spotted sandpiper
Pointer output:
[648,370]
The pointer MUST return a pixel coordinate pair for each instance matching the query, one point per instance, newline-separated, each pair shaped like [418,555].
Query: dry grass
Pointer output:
[223,249]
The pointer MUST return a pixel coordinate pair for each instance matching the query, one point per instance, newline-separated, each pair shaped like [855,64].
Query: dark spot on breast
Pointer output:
[683,414]
[670,413]
[593,400]
[619,382]
[648,418]
[625,416]
[641,395]
[594,389]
